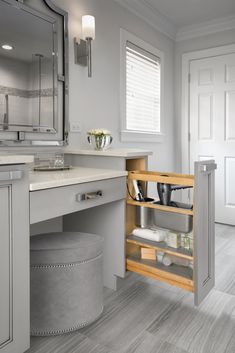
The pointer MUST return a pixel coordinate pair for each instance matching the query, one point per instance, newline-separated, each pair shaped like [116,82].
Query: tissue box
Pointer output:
[148,254]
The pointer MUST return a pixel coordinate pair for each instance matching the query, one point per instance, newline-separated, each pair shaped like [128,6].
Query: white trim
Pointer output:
[150,14]
[186,59]
[205,28]
[124,37]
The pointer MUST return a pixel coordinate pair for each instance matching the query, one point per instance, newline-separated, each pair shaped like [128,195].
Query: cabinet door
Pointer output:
[5,268]
[204,229]
[14,259]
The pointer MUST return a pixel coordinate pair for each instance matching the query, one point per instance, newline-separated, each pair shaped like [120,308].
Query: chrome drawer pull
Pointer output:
[89,196]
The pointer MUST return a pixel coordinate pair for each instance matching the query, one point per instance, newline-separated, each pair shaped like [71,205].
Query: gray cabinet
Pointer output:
[94,207]
[14,259]
[204,229]
[109,159]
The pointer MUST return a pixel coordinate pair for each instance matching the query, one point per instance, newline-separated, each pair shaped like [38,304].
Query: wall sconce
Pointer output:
[83,49]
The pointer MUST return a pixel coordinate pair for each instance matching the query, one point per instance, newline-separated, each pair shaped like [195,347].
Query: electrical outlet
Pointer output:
[75,127]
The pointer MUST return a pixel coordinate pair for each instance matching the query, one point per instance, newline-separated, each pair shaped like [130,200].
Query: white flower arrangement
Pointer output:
[100,139]
[98,132]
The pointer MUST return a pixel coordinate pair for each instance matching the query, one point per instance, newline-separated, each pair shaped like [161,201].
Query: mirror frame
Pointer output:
[61,77]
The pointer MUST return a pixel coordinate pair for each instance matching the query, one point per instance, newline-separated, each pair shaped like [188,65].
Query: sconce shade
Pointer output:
[88,27]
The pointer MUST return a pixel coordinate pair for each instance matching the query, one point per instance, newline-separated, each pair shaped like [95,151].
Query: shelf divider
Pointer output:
[174,275]
[167,178]
[161,246]
[160,207]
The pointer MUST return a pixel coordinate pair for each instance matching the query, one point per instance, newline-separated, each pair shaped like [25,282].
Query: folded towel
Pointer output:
[171,259]
[150,234]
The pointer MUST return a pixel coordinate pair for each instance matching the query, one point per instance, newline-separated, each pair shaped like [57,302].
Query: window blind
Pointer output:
[142,90]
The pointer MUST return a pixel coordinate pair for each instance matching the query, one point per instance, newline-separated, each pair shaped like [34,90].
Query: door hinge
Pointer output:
[60,78]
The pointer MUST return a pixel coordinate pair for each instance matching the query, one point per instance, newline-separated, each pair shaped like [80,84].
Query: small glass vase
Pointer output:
[100,142]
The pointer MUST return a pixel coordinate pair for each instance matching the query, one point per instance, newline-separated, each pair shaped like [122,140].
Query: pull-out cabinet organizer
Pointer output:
[199,278]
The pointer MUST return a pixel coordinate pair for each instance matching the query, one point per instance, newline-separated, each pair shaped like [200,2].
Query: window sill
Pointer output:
[134,136]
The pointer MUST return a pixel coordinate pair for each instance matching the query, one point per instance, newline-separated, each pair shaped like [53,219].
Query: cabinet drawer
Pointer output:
[55,202]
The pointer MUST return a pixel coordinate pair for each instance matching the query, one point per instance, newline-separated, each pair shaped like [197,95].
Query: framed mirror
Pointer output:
[33,73]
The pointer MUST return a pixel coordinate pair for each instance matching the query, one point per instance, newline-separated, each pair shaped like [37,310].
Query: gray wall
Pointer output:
[205,42]
[95,102]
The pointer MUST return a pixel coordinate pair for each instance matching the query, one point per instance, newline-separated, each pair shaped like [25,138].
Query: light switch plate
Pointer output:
[75,127]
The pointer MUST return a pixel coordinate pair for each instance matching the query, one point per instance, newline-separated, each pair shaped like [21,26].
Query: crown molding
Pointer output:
[149,14]
[155,19]
[205,28]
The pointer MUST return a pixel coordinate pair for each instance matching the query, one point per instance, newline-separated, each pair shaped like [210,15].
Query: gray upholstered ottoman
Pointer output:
[66,282]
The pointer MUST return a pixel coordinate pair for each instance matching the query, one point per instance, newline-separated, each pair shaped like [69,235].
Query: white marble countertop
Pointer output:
[76,175]
[122,152]
[7,159]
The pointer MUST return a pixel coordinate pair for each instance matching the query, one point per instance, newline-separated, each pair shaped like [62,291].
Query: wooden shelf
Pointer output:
[160,207]
[178,276]
[167,178]
[181,252]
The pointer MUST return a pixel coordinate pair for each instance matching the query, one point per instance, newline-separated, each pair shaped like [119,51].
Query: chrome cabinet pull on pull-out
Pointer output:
[207,168]
[11,175]
[89,196]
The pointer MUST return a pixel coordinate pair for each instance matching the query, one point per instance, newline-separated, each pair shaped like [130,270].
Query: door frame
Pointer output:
[185,117]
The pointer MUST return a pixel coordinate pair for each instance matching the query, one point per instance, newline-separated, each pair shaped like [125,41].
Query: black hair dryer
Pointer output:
[165,190]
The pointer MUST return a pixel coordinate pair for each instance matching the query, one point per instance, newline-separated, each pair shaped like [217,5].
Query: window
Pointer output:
[140,90]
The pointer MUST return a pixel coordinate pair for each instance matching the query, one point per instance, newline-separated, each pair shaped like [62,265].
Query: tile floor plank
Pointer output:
[146,342]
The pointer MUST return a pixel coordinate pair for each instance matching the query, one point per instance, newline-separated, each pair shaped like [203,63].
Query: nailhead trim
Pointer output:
[60,332]
[74,264]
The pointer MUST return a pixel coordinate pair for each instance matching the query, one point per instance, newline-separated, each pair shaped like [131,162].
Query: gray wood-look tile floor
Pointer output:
[146,316]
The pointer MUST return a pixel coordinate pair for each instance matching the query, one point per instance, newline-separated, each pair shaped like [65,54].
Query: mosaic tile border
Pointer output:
[16,92]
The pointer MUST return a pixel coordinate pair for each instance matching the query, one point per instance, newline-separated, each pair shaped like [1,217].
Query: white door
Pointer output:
[212,126]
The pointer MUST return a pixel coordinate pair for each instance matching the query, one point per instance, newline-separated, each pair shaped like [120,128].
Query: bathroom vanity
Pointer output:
[86,198]
[89,200]
[94,201]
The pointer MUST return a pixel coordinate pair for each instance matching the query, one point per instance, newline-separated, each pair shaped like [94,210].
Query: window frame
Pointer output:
[131,135]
